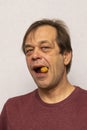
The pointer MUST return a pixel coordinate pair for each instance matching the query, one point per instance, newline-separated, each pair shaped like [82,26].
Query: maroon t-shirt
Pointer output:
[29,112]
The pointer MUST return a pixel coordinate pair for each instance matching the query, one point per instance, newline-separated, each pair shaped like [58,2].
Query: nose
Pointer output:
[36,54]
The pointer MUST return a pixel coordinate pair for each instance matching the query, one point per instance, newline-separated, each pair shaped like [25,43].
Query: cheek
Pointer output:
[47,59]
[58,63]
[53,61]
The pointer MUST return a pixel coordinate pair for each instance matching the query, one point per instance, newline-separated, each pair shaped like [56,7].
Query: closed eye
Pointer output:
[28,51]
[45,48]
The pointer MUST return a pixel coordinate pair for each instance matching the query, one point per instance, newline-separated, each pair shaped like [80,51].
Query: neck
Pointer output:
[56,94]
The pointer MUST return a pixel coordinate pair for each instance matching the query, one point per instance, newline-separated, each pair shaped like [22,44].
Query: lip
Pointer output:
[40,75]
[33,67]
[37,73]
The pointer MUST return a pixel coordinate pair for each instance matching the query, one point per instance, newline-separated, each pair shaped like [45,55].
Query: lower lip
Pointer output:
[40,75]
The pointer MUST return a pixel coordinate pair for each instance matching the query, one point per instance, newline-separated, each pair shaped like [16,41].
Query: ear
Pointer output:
[67,57]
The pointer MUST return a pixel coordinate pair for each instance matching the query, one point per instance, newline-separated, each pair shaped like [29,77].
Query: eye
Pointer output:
[45,48]
[28,51]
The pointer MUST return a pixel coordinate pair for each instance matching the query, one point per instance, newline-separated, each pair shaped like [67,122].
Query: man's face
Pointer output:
[42,50]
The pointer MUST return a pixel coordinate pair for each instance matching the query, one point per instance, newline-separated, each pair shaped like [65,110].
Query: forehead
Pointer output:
[43,32]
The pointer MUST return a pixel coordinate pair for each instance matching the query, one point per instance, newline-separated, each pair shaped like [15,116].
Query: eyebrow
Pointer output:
[27,45]
[40,42]
[44,41]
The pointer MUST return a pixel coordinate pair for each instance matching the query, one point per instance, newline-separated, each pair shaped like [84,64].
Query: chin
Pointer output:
[44,87]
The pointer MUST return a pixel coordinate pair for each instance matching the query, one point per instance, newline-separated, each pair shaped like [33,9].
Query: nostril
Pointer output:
[35,58]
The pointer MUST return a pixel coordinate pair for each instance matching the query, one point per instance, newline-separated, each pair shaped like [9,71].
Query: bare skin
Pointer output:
[42,50]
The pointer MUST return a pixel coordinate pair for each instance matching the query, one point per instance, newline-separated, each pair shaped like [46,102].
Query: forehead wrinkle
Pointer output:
[34,32]
[31,38]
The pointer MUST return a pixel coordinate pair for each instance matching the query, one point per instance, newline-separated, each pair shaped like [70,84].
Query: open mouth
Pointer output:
[42,69]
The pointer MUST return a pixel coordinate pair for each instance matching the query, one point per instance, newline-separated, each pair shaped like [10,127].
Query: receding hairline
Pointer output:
[33,31]
[55,23]
[58,24]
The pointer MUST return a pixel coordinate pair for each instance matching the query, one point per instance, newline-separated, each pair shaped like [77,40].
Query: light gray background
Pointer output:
[15,18]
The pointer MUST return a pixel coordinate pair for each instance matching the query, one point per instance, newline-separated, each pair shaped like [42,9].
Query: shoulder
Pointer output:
[20,101]
[81,95]
[15,107]
[82,91]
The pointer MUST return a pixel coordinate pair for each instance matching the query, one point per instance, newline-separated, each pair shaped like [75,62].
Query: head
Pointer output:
[63,38]
[47,43]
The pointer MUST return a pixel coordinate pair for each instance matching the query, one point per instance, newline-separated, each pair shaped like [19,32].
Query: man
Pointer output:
[56,104]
